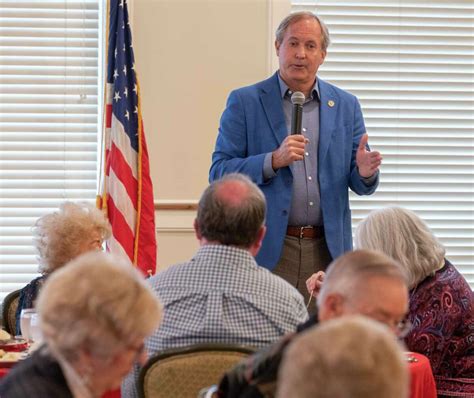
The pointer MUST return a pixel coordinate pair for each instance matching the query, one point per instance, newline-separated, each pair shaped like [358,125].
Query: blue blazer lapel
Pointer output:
[327,118]
[272,105]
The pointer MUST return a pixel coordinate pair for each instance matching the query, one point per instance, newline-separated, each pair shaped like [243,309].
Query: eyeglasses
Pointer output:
[400,328]
[403,328]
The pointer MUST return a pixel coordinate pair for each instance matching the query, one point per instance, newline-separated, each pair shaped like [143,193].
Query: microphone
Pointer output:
[297,99]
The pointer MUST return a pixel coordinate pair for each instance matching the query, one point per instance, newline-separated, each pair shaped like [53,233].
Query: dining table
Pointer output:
[422,383]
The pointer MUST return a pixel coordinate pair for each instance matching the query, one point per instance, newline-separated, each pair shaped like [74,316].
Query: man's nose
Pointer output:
[300,52]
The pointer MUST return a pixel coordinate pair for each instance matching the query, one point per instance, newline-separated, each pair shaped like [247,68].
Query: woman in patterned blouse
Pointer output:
[60,236]
[441,301]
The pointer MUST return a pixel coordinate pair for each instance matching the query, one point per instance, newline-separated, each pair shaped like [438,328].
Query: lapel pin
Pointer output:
[331,103]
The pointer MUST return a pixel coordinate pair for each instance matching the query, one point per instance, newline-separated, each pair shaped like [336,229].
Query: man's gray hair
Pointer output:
[351,356]
[298,16]
[402,235]
[231,211]
[348,274]
[97,302]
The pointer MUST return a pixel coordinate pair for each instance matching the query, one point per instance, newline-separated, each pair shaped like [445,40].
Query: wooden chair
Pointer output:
[184,372]
[9,306]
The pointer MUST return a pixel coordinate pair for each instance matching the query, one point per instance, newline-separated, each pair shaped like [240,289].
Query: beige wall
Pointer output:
[189,55]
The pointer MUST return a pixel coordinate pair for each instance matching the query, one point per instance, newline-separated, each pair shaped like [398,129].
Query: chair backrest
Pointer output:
[9,306]
[184,372]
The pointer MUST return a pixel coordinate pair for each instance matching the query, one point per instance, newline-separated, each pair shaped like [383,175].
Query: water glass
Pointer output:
[35,331]
[25,322]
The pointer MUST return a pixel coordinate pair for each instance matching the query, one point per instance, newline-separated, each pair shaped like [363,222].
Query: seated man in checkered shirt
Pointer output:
[221,295]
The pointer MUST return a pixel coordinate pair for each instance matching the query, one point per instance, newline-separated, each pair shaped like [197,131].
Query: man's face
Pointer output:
[382,299]
[300,53]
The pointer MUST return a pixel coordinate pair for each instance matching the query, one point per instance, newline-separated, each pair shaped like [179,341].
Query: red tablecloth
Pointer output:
[421,375]
[112,394]
[3,372]
[422,384]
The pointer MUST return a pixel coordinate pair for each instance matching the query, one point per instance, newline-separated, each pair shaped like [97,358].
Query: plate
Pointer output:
[9,359]
[15,344]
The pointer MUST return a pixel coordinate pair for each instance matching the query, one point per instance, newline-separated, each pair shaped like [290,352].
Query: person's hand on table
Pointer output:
[314,283]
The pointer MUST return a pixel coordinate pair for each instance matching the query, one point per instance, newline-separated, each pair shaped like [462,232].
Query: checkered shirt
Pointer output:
[220,296]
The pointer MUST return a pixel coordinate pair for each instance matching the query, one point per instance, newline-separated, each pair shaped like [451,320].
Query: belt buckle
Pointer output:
[302,230]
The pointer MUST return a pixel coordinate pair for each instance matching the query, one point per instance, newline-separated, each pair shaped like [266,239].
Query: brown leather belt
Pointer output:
[306,232]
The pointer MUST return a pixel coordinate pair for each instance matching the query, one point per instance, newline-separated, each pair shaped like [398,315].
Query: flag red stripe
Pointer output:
[123,171]
[120,228]
[108,116]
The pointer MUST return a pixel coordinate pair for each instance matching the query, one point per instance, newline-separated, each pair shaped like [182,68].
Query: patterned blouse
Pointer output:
[441,311]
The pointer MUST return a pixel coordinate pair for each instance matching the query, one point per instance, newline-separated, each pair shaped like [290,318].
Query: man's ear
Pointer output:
[277,48]
[324,56]
[257,244]
[197,232]
[332,307]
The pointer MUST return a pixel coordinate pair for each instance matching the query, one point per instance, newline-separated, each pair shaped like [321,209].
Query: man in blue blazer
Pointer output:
[305,177]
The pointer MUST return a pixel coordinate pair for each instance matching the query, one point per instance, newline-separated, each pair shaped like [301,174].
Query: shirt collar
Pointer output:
[285,91]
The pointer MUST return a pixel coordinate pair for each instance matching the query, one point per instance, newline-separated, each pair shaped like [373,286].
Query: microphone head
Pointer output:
[297,98]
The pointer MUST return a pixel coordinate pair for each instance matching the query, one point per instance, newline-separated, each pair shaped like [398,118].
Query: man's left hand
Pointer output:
[368,162]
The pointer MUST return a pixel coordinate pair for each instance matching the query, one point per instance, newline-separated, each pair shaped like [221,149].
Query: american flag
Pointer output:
[126,189]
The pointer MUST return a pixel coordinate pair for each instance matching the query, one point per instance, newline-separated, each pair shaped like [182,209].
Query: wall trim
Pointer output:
[180,205]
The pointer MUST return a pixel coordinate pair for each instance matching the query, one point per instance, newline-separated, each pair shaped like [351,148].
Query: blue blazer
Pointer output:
[253,124]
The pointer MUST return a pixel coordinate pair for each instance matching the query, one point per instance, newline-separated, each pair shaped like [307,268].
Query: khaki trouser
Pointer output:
[301,258]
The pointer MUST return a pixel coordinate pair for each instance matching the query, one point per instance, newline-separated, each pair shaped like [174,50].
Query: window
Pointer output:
[410,63]
[49,120]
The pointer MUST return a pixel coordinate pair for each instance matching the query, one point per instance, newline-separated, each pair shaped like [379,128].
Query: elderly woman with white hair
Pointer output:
[441,301]
[94,316]
[59,237]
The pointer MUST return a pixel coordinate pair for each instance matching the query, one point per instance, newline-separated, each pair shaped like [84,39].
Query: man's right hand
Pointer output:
[314,283]
[291,149]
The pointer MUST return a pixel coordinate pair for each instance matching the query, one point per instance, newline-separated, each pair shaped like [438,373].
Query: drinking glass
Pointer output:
[35,331]
[25,322]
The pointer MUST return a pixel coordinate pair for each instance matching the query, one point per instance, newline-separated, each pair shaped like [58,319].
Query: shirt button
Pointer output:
[310,178]
[310,203]
[304,129]
[306,153]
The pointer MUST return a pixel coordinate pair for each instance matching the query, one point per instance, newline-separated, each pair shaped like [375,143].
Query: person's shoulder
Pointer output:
[169,273]
[280,286]
[43,377]
[33,286]
[454,280]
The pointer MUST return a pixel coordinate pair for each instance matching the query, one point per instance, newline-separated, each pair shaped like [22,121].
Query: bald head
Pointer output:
[232,192]
[231,211]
